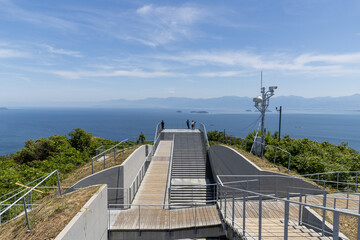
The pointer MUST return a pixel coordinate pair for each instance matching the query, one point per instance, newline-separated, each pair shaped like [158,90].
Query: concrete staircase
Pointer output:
[189,173]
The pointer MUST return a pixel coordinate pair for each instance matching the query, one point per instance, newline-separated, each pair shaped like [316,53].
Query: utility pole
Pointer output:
[279,110]
[262,103]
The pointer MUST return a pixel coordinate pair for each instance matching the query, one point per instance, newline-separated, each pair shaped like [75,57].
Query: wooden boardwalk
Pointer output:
[148,218]
[272,220]
[153,187]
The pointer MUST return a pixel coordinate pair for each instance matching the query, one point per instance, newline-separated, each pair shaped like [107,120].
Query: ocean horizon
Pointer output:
[19,125]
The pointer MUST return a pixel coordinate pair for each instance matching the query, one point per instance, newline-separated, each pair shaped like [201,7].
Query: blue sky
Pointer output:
[85,51]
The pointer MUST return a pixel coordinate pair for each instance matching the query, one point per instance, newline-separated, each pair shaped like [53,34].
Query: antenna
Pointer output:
[261,79]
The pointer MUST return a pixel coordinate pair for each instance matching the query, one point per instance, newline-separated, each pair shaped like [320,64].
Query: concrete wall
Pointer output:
[133,163]
[117,177]
[90,223]
[226,161]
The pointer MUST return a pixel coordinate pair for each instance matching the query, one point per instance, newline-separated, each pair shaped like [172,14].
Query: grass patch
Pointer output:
[50,218]
[85,170]
[263,163]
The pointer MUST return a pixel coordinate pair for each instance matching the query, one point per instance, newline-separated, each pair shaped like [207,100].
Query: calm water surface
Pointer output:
[19,125]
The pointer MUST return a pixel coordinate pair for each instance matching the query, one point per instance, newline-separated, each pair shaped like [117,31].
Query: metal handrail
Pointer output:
[287,201]
[104,154]
[107,150]
[30,191]
[170,169]
[150,154]
[294,202]
[275,152]
[205,134]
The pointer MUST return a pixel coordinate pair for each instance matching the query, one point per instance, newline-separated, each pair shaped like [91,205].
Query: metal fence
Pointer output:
[25,194]
[110,153]
[237,200]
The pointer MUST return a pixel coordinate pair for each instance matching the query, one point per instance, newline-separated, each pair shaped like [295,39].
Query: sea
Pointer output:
[19,125]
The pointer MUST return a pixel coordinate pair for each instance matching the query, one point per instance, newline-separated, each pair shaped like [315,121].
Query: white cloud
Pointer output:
[10,53]
[115,73]
[325,64]
[17,13]
[161,25]
[62,51]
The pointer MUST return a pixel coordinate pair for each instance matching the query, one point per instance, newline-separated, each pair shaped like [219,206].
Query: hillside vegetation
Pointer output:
[307,156]
[44,155]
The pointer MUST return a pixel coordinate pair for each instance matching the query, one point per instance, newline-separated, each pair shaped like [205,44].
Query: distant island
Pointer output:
[199,112]
[3,108]
[179,111]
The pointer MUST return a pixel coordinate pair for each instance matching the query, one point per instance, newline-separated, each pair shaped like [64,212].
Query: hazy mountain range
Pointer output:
[239,104]
[219,104]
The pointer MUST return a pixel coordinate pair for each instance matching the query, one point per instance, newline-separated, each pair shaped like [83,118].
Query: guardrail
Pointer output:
[103,154]
[170,169]
[202,128]
[349,175]
[276,148]
[28,191]
[231,196]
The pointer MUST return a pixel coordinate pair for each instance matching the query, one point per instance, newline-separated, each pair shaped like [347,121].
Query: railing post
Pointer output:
[58,182]
[233,210]
[300,206]
[347,197]
[104,160]
[220,197]
[31,200]
[15,205]
[289,163]
[356,181]
[92,165]
[26,215]
[337,181]
[286,220]
[336,225]
[114,155]
[244,211]
[225,205]
[324,215]
[260,215]
[275,156]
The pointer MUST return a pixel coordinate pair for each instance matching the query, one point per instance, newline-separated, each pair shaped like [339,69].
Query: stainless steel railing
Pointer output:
[170,169]
[28,191]
[230,196]
[103,154]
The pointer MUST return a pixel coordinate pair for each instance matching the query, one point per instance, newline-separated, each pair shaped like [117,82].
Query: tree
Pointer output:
[80,139]
[141,138]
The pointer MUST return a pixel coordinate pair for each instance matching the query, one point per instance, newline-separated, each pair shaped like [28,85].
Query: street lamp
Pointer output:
[261,103]
[279,110]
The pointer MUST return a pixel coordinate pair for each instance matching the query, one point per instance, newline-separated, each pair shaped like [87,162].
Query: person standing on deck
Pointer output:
[188,123]
[162,124]
[193,124]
